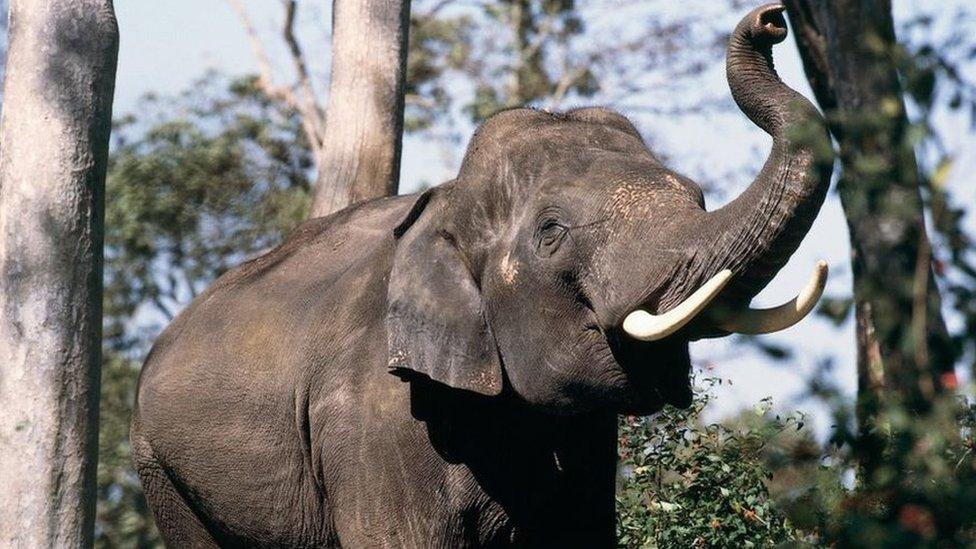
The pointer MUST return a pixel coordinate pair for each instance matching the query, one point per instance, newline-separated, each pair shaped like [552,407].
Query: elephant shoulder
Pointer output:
[246,330]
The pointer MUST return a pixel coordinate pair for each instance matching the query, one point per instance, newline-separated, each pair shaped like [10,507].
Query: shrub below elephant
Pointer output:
[446,369]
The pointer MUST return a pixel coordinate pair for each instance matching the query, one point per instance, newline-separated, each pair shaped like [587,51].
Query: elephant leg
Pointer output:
[178,525]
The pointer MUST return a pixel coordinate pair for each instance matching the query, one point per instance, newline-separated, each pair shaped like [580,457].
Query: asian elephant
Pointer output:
[445,369]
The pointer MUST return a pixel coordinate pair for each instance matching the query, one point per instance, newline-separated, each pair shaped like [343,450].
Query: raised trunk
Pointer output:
[755,234]
[360,156]
[53,154]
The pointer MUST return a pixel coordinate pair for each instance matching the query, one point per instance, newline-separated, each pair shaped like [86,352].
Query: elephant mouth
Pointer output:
[651,351]
[656,374]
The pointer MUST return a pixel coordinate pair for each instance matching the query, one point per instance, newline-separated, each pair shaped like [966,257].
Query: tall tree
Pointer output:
[360,157]
[53,153]
[849,53]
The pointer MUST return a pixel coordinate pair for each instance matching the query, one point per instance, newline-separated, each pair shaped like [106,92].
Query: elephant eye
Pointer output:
[550,235]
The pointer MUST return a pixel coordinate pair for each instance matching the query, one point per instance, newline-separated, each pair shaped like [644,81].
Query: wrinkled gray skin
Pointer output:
[445,369]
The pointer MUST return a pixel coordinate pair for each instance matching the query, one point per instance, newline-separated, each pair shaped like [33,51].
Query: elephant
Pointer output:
[445,369]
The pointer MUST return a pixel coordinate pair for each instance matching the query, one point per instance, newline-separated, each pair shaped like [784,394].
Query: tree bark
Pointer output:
[360,156]
[847,48]
[53,154]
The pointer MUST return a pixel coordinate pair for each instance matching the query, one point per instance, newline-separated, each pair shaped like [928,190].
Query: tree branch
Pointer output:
[265,73]
[312,113]
[312,117]
[562,87]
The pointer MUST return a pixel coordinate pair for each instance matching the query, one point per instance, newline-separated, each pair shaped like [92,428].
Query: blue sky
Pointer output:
[167,45]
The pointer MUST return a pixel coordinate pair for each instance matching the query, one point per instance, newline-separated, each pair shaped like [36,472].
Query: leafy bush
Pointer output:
[761,480]
[687,484]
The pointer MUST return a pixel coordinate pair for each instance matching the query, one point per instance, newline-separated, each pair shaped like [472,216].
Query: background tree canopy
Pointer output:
[203,179]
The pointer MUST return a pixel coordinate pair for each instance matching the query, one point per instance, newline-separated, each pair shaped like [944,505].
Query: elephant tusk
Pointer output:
[644,326]
[765,321]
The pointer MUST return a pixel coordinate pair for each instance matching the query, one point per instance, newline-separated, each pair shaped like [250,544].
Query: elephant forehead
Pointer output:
[631,199]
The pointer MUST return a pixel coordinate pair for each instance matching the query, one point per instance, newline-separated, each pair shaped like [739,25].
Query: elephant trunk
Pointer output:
[754,235]
[742,245]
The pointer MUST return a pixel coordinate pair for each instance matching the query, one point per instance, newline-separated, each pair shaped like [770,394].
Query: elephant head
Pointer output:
[567,265]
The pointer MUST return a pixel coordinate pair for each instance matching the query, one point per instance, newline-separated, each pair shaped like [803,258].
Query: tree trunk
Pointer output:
[847,48]
[360,156]
[53,154]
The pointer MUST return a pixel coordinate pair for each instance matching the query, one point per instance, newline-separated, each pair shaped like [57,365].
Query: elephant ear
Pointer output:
[435,319]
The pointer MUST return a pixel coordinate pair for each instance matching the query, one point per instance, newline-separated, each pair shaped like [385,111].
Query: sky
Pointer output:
[165,46]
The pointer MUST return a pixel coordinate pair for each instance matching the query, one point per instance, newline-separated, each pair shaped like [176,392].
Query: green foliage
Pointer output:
[439,44]
[761,480]
[924,493]
[194,186]
[921,495]
[805,477]
[687,484]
